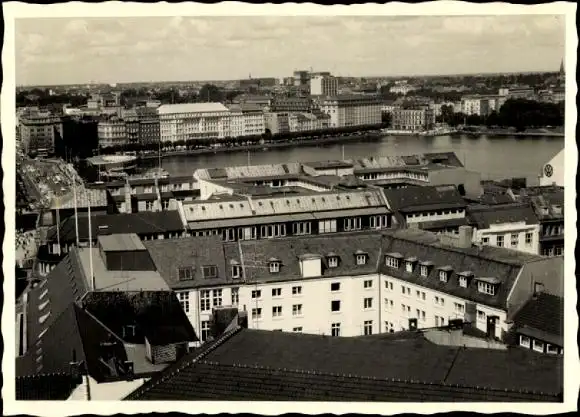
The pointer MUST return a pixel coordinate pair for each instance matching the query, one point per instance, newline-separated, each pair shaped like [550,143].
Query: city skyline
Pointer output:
[55,51]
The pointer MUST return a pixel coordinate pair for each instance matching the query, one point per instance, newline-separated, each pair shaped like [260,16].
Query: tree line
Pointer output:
[517,113]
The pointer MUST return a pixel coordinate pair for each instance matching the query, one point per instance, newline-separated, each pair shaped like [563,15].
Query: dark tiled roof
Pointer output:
[493,199]
[261,365]
[46,387]
[424,198]
[142,223]
[483,218]
[543,314]
[484,262]
[195,252]
[158,315]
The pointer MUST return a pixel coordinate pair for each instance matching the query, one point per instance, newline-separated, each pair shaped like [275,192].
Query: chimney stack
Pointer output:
[465,236]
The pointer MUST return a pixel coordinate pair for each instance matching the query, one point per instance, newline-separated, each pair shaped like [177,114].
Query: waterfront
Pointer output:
[495,157]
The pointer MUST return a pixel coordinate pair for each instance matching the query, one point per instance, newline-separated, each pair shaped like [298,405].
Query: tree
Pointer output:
[211,93]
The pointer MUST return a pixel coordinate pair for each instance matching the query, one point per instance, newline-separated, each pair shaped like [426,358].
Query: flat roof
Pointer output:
[192,108]
[121,243]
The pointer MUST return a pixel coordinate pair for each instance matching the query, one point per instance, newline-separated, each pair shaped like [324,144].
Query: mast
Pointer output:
[76,211]
[58,223]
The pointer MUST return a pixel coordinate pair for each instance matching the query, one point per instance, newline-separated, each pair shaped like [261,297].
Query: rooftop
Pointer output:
[542,317]
[259,365]
[191,108]
[423,198]
[121,242]
[486,217]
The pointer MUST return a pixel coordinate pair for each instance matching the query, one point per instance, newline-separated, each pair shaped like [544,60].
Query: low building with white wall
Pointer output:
[193,121]
[513,226]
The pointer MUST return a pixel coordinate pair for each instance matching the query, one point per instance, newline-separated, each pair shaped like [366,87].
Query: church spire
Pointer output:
[562,67]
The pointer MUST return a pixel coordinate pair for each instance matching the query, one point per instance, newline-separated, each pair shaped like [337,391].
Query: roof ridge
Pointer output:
[42,375]
[372,378]
[184,364]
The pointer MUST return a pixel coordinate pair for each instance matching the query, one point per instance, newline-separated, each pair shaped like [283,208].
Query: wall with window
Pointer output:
[538,345]
[402,301]
[435,215]
[518,236]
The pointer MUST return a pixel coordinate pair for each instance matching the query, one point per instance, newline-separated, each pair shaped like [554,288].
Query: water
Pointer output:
[493,157]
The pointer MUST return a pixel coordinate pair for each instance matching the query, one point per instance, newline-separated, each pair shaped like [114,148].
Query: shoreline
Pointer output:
[368,137]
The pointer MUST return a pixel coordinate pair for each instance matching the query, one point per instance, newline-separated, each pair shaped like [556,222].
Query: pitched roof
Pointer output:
[142,223]
[44,387]
[485,217]
[543,314]
[424,198]
[259,365]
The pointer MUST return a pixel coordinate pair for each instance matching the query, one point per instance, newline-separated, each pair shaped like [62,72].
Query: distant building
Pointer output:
[323,85]
[292,104]
[193,121]
[38,132]
[413,119]
[277,122]
[246,120]
[402,88]
[352,110]
[301,78]
[300,122]
[112,132]
[517,92]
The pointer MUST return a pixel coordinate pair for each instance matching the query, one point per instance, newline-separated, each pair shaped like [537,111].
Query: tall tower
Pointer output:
[562,68]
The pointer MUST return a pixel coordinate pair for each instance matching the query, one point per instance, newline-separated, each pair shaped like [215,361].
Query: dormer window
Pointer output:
[209,271]
[487,285]
[410,264]
[332,261]
[236,271]
[425,268]
[185,273]
[361,257]
[464,278]
[393,260]
[444,273]
[274,265]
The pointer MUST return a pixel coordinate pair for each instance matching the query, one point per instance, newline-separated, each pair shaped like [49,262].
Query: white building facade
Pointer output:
[352,110]
[193,121]
[323,85]
[513,235]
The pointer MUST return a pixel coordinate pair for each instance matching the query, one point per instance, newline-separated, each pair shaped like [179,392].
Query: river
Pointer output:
[493,157]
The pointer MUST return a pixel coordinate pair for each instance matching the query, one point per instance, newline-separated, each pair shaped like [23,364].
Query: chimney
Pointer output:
[465,236]
[538,289]
[127,197]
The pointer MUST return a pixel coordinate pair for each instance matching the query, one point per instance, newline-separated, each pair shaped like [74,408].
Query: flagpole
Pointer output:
[58,223]
[92,278]
[76,211]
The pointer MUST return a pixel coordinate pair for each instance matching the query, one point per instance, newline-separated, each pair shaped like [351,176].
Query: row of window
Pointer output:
[539,346]
[514,239]
[435,213]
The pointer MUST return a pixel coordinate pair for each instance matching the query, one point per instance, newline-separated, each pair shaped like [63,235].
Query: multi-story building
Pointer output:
[548,203]
[475,105]
[38,132]
[113,132]
[353,284]
[148,125]
[352,110]
[513,226]
[323,85]
[246,120]
[277,122]
[193,121]
[302,122]
[413,119]
[517,92]
[301,78]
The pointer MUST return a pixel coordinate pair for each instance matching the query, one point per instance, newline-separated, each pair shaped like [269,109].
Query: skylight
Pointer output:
[42,319]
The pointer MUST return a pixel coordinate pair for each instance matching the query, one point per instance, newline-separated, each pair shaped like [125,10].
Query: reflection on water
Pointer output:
[494,157]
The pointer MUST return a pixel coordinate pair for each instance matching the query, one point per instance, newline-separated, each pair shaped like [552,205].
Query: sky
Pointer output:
[52,51]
